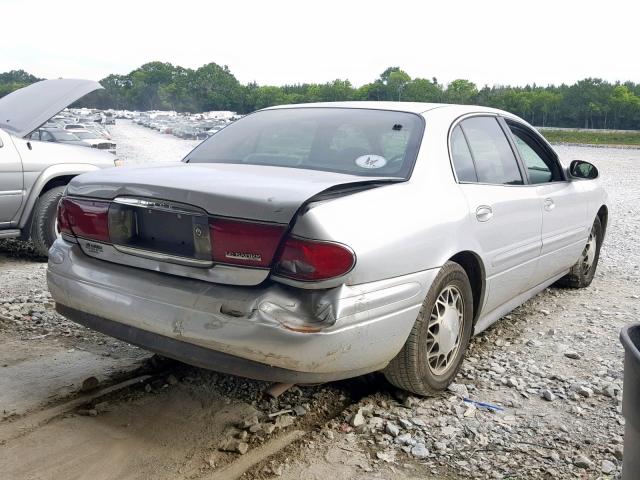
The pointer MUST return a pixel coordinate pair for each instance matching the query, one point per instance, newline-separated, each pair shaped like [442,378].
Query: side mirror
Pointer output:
[583,170]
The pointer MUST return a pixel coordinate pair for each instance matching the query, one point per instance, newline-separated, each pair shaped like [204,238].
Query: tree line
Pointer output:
[588,103]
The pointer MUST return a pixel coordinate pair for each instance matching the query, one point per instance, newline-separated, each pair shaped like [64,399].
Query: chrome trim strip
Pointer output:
[224,274]
[11,192]
[9,233]
[162,205]
[69,238]
[568,237]
[163,257]
[519,254]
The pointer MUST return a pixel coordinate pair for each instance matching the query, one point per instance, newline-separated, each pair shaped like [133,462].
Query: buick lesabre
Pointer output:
[308,243]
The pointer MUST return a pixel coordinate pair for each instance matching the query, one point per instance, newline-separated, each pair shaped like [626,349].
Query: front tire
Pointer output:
[433,353]
[582,273]
[43,224]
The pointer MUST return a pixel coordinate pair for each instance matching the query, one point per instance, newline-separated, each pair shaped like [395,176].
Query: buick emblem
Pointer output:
[198,231]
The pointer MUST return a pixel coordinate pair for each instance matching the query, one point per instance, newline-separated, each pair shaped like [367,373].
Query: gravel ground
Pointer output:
[551,373]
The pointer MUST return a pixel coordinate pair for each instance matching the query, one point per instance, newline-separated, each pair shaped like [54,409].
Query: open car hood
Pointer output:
[26,109]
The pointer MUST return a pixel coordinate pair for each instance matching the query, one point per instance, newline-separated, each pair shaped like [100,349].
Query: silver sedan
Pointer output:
[308,243]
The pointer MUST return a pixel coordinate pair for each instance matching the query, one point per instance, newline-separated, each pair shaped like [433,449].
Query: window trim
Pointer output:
[473,159]
[542,142]
[458,121]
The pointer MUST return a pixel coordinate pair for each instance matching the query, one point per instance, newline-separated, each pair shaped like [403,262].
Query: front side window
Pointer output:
[61,135]
[46,137]
[355,141]
[540,164]
[495,162]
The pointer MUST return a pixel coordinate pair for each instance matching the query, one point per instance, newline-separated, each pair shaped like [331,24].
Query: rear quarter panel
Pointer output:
[400,228]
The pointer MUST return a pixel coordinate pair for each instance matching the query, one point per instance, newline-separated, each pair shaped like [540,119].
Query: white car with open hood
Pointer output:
[308,243]
[33,173]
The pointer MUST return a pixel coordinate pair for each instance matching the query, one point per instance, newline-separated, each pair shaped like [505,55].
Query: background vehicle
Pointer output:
[109,118]
[95,141]
[57,135]
[74,126]
[316,242]
[34,174]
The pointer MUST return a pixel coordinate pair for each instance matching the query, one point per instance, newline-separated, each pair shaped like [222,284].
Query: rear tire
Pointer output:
[582,273]
[43,224]
[431,356]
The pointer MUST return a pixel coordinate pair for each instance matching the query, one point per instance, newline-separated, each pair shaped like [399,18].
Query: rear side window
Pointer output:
[461,156]
[355,141]
[495,162]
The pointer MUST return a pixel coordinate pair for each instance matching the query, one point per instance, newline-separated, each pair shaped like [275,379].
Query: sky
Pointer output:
[278,42]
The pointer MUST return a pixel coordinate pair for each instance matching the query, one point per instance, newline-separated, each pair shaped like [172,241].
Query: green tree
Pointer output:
[461,91]
[422,90]
[215,88]
[590,102]
[396,83]
[624,104]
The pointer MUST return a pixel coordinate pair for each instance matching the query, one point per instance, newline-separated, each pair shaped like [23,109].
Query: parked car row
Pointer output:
[77,127]
[188,126]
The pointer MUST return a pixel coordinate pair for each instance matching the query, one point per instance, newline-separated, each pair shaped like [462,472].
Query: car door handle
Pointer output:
[549,204]
[484,213]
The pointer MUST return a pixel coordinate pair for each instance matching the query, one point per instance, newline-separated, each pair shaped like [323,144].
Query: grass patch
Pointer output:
[593,137]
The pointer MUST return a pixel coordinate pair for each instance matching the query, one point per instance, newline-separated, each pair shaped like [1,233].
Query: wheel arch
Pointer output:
[51,177]
[474,268]
[603,215]
[61,181]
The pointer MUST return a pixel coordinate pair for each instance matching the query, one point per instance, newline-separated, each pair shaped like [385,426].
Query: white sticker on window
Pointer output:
[371,161]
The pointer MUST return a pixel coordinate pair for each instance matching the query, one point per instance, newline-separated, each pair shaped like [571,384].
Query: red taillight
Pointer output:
[63,223]
[84,218]
[244,243]
[313,260]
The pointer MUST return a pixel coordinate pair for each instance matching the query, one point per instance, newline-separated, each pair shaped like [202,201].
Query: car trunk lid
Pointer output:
[251,192]
[222,218]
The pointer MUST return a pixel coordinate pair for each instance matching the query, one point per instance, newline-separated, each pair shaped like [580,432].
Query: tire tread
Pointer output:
[576,277]
[403,370]
[46,206]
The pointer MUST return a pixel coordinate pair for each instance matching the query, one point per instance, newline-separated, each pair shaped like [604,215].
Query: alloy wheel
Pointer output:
[589,252]
[445,330]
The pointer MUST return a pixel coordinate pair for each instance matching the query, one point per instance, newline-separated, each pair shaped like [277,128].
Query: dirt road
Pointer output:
[553,369]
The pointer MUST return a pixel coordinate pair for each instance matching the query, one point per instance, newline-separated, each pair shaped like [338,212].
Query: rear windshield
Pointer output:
[345,140]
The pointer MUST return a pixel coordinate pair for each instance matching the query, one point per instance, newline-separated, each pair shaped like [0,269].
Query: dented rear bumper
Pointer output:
[269,332]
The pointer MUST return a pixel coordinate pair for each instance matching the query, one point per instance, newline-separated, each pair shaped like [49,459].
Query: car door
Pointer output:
[564,203]
[11,180]
[506,218]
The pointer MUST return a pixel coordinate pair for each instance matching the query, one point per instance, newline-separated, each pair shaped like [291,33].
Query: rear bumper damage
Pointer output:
[268,332]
